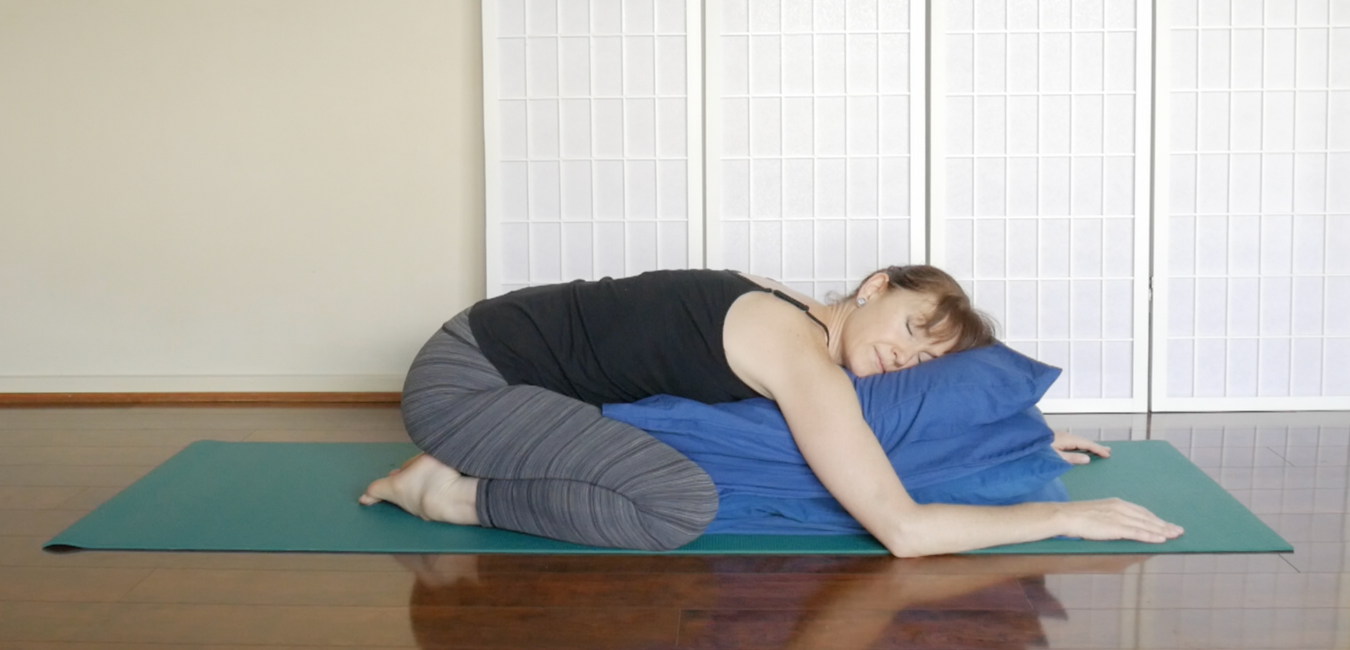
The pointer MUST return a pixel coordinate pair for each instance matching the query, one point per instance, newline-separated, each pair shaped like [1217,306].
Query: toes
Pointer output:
[380,490]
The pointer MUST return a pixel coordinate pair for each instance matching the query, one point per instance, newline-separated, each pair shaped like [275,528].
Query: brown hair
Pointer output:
[953,317]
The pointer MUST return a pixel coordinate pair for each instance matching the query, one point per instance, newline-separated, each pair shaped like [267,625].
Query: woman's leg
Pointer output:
[547,464]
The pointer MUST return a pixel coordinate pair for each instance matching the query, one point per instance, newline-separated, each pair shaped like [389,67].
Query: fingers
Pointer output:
[1148,523]
[1096,448]
[1117,519]
[1154,532]
[1153,536]
[1068,441]
[1075,459]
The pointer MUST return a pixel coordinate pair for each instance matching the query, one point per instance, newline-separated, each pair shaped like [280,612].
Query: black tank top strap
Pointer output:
[802,306]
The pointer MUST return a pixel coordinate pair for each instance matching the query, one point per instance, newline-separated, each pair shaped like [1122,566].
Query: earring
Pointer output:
[862,301]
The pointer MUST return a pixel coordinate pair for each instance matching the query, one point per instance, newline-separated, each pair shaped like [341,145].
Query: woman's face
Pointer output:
[886,333]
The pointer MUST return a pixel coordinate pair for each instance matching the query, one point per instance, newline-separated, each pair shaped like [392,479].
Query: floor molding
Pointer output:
[189,399]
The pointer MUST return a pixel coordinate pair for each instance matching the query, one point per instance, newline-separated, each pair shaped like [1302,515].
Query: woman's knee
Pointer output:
[676,508]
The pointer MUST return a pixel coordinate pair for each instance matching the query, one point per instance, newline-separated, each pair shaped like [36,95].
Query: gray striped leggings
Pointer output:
[548,464]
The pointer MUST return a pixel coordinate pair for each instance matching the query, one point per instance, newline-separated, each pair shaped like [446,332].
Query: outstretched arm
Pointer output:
[826,421]
[788,364]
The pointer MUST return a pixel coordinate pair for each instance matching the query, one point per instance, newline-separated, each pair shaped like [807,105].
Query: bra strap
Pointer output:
[802,306]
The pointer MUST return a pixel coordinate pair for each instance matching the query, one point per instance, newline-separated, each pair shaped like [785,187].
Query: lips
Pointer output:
[881,367]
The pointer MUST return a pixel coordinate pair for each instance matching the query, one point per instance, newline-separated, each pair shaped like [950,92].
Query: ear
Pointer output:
[874,286]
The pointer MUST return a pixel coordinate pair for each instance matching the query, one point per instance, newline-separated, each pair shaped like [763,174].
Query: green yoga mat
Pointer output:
[224,496]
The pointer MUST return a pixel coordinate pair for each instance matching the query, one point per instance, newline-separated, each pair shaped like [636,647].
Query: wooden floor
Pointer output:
[58,464]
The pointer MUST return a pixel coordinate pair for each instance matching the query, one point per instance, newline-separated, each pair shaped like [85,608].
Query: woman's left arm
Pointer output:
[1069,447]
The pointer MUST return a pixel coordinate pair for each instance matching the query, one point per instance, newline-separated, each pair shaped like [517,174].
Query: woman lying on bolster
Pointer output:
[504,402]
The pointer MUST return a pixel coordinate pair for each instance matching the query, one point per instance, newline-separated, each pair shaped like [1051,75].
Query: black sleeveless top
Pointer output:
[613,341]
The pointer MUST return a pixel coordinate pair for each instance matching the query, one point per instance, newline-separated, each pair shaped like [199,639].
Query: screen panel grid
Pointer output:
[592,144]
[1037,209]
[1258,204]
[817,157]
[812,140]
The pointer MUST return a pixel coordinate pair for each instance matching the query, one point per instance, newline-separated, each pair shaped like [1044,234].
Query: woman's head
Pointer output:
[904,315]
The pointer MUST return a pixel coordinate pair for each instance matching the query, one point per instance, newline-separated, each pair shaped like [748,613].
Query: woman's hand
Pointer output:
[1115,519]
[1068,444]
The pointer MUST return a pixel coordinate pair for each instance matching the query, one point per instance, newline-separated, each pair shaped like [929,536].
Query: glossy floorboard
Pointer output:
[57,464]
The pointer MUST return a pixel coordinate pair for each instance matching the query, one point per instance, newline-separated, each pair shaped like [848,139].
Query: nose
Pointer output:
[904,360]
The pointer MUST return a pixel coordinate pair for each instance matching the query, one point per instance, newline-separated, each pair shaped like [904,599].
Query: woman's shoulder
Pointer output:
[777,321]
[768,341]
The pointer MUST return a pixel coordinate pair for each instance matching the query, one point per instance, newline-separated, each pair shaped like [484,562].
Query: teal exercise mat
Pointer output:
[301,497]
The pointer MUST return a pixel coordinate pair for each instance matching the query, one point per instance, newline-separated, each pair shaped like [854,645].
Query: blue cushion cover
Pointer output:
[958,429]
[955,392]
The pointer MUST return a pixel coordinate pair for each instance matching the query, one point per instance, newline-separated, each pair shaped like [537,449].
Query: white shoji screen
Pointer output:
[1040,183]
[592,138]
[1252,203]
[815,166]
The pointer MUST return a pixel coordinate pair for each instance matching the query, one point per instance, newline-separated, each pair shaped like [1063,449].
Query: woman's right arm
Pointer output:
[826,422]
[783,359]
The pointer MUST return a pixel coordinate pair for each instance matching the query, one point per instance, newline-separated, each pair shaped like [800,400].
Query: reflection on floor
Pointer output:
[57,464]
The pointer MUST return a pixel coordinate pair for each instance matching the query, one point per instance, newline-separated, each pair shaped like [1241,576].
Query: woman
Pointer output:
[504,403]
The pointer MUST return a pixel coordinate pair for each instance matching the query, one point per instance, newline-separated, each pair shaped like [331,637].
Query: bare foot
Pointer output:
[429,489]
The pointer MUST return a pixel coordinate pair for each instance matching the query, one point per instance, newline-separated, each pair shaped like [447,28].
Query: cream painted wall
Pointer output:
[235,195]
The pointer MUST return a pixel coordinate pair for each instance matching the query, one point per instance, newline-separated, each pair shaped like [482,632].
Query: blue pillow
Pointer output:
[748,514]
[955,391]
[958,429]
[1028,473]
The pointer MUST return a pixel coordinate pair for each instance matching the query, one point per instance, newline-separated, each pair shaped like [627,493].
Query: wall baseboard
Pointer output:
[191,399]
[200,384]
